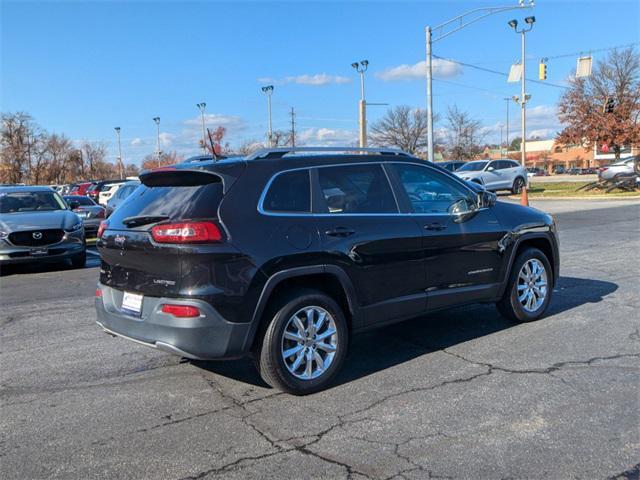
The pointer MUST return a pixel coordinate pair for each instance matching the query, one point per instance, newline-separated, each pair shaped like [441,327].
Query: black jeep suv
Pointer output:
[284,255]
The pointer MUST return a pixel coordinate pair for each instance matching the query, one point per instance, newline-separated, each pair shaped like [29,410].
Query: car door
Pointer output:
[363,232]
[492,177]
[460,240]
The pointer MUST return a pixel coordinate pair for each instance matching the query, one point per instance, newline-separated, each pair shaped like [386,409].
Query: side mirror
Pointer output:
[73,204]
[486,199]
[490,168]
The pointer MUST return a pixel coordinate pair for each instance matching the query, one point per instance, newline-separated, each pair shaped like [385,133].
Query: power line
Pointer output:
[593,51]
[496,72]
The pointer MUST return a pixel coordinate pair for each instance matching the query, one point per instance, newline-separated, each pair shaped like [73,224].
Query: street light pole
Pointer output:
[524,98]
[268,91]
[157,120]
[120,164]
[507,139]
[444,30]
[361,67]
[202,106]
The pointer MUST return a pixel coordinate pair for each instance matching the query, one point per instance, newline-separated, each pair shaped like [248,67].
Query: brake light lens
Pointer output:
[103,226]
[181,311]
[98,293]
[186,232]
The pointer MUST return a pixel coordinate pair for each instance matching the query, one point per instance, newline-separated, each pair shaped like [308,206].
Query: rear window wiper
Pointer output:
[143,220]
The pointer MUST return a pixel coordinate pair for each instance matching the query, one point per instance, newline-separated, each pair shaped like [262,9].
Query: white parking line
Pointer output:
[93,253]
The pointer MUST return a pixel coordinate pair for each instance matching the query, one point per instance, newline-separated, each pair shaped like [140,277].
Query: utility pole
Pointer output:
[508,100]
[361,67]
[524,98]
[501,129]
[157,121]
[268,91]
[444,30]
[293,127]
[202,106]
[120,164]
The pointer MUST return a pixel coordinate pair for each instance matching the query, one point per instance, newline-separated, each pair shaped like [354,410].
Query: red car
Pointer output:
[80,188]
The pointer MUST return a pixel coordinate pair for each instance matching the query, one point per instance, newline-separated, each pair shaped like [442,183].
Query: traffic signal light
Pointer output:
[608,105]
[543,71]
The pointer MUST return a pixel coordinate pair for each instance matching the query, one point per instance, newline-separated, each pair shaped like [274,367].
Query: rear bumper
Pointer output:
[206,337]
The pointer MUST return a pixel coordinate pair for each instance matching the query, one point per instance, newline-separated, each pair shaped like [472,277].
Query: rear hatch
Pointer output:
[152,241]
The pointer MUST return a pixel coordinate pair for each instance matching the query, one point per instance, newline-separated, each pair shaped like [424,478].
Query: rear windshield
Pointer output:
[176,203]
[80,199]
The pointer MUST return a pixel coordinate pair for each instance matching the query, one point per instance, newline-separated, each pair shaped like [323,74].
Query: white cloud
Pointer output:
[166,139]
[316,80]
[327,137]
[214,120]
[418,71]
[136,142]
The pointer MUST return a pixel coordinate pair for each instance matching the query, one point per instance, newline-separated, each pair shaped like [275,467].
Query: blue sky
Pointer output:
[81,68]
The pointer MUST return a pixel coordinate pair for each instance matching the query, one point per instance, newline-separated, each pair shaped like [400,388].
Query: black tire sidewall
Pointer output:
[518,183]
[271,355]
[518,311]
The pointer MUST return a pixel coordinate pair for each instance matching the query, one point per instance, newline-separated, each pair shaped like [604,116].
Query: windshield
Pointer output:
[14,202]
[472,167]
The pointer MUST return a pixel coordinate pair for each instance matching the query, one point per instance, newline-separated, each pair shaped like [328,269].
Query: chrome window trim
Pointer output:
[269,213]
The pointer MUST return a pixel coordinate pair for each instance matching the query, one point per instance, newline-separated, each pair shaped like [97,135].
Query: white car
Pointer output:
[107,192]
[621,167]
[502,174]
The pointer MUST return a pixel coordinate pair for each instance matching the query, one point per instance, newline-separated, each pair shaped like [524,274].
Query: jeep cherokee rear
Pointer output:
[284,256]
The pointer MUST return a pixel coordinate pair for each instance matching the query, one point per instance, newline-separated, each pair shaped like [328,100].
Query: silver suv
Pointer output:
[503,174]
[36,225]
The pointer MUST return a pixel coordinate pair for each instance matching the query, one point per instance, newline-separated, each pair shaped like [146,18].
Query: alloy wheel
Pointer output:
[532,285]
[309,342]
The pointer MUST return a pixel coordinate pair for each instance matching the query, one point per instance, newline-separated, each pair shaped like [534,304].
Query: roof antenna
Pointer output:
[213,147]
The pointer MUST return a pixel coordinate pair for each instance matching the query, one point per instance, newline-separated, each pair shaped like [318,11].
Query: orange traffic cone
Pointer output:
[524,197]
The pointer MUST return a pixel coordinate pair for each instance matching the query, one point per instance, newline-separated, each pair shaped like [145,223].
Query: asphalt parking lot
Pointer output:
[458,394]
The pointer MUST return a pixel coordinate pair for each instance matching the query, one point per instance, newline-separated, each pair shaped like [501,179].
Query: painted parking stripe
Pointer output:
[93,253]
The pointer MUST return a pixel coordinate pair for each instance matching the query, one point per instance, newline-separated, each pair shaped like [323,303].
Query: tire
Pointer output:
[79,260]
[282,373]
[518,183]
[510,305]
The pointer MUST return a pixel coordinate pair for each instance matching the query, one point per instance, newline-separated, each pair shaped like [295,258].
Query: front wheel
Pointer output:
[530,286]
[305,343]
[518,183]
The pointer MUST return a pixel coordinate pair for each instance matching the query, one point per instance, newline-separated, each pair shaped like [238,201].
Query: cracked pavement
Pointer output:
[461,393]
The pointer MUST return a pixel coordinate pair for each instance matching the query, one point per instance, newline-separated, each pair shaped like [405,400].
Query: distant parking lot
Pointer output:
[457,394]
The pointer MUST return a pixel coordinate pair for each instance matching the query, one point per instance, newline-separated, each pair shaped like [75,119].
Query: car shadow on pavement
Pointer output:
[401,342]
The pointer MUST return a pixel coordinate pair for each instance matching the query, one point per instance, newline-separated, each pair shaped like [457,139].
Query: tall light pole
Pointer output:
[361,67]
[157,120]
[202,106]
[444,30]
[524,98]
[268,91]
[508,100]
[120,164]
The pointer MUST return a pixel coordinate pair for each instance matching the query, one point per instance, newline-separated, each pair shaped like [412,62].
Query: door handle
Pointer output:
[340,232]
[435,226]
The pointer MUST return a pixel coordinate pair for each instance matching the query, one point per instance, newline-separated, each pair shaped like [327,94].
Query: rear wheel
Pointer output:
[304,344]
[518,183]
[530,286]
[79,260]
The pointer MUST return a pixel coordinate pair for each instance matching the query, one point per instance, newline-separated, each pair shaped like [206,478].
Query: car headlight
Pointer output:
[74,228]
[3,235]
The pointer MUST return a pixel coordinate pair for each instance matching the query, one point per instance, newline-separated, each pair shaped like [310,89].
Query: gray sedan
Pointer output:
[89,211]
[36,225]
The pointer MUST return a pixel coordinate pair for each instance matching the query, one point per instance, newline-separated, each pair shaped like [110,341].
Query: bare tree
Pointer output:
[402,127]
[93,159]
[166,158]
[17,134]
[464,134]
[247,147]
[583,108]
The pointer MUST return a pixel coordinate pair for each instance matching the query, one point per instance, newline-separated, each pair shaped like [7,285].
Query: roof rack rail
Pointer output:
[271,153]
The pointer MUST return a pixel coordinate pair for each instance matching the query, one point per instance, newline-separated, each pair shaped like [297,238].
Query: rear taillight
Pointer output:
[186,232]
[103,226]
[98,293]
[181,311]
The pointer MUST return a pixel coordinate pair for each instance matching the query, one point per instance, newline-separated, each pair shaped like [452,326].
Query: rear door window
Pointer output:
[356,189]
[289,192]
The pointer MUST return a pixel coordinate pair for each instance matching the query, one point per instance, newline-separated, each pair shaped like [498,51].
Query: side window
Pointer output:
[432,192]
[499,165]
[289,192]
[356,189]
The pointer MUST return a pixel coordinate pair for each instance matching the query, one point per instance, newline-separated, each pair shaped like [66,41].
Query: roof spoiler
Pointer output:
[174,177]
